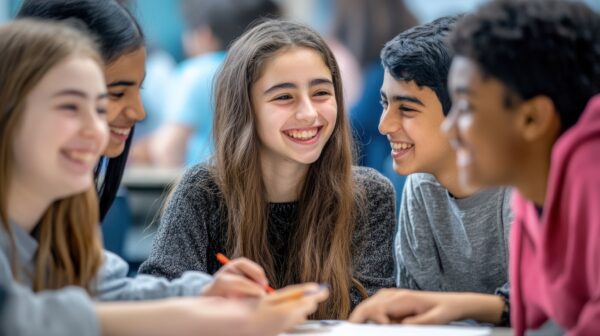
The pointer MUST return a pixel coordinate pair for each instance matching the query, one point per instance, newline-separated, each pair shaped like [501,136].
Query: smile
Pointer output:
[304,136]
[120,133]
[400,149]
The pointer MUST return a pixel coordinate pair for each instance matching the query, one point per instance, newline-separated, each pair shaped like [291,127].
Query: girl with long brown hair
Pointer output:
[53,129]
[281,189]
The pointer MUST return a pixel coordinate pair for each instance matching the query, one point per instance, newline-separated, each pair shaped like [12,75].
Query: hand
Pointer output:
[240,278]
[410,307]
[284,309]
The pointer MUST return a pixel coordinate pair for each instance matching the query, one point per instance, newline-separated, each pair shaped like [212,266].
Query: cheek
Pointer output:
[114,109]
[330,112]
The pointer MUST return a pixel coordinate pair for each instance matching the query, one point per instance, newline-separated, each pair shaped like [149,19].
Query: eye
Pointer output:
[101,110]
[383,103]
[116,95]
[68,107]
[283,97]
[322,93]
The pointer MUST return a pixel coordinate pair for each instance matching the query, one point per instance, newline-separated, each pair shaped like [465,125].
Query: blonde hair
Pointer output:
[321,248]
[70,251]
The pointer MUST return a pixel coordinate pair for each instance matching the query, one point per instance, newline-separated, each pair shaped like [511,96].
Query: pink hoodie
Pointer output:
[555,259]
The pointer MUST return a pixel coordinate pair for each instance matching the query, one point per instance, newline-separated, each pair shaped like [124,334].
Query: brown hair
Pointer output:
[70,250]
[321,249]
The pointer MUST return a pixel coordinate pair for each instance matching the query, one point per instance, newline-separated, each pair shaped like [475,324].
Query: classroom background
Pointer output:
[130,225]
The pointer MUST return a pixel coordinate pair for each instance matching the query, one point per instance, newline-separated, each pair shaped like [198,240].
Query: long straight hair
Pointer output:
[321,248]
[117,33]
[69,251]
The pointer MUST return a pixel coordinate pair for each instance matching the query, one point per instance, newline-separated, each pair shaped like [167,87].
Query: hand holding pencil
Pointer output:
[238,278]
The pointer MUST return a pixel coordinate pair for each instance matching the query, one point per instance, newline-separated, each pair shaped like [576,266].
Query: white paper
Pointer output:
[350,329]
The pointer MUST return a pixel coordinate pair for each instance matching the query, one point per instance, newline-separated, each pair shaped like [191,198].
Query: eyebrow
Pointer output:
[288,85]
[122,83]
[78,93]
[70,92]
[403,98]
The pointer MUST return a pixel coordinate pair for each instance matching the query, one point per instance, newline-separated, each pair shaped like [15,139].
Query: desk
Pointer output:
[150,178]
[348,329]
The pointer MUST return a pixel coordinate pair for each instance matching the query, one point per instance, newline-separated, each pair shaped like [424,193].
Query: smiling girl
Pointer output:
[281,189]
[53,130]
[121,43]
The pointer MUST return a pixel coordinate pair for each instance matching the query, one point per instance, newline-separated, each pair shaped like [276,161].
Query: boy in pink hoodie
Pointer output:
[521,79]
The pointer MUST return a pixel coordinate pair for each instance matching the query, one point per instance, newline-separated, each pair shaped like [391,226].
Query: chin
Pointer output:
[403,170]
[114,151]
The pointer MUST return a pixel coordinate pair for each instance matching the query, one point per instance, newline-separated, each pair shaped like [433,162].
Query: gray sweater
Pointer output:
[448,244]
[193,230]
[70,310]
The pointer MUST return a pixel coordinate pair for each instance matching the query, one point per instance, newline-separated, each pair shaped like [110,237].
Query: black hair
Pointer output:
[117,33]
[421,54]
[536,47]
[113,27]
[227,19]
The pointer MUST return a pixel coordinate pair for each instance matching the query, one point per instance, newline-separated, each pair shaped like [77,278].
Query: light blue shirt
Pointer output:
[70,311]
[190,103]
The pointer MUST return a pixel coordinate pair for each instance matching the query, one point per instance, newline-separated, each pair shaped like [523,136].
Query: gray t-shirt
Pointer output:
[449,244]
[70,310]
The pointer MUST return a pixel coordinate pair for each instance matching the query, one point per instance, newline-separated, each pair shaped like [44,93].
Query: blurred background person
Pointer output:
[364,26]
[184,136]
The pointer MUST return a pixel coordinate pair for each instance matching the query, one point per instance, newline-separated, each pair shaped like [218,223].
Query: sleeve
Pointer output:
[416,253]
[114,285]
[67,311]
[182,240]
[374,266]
[580,210]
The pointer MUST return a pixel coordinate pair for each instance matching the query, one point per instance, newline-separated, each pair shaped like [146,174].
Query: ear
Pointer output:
[538,118]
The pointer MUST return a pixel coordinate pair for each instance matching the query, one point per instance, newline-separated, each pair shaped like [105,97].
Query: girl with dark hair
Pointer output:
[121,44]
[281,189]
[52,131]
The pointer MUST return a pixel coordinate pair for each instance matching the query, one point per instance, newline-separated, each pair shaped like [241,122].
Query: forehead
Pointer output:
[132,63]
[294,63]
[392,87]
[76,72]
[464,74]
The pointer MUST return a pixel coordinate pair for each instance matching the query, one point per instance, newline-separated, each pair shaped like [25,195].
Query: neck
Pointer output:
[26,206]
[533,181]
[447,175]
[283,180]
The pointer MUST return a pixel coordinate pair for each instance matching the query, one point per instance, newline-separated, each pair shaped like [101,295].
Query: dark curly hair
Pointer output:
[536,47]
[423,55]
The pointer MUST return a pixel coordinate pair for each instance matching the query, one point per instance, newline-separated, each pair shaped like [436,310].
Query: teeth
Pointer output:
[85,157]
[302,135]
[120,131]
[400,145]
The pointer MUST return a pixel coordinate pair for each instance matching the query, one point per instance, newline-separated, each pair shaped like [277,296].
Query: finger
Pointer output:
[369,307]
[431,316]
[249,269]
[238,286]
[359,315]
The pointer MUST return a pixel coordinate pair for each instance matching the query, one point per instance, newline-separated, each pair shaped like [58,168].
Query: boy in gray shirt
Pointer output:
[450,238]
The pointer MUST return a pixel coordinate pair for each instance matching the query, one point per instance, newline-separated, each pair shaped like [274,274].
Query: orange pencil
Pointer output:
[224,261]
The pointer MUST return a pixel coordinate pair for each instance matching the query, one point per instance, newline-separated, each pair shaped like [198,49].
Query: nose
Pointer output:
[388,122]
[450,127]
[306,111]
